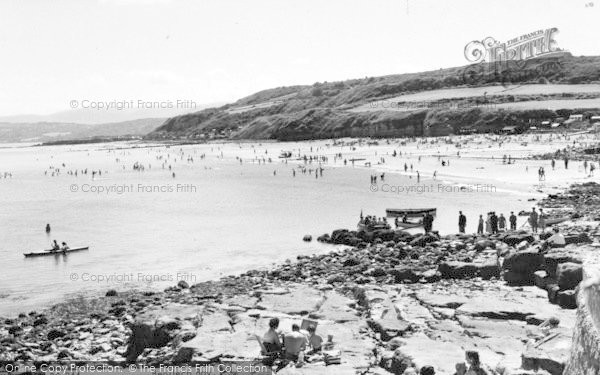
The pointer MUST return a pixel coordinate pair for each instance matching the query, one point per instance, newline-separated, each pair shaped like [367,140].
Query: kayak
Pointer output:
[57,252]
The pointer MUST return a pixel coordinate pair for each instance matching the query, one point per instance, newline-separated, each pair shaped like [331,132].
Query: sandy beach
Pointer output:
[352,296]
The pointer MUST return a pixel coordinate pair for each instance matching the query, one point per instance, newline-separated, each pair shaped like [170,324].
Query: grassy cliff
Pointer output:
[328,109]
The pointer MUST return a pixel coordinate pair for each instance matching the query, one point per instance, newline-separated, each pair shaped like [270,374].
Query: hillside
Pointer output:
[58,131]
[370,106]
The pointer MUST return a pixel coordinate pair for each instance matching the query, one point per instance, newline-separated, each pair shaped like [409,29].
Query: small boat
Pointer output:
[55,252]
[409,225]
[556,220]
[362,227]
[409,212]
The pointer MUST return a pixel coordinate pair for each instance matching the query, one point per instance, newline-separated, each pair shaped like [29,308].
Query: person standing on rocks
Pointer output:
[462,222]
[542,220]
[502,223]
[533,220]
[427,222]
[513,221]
[480,225]
[494,223]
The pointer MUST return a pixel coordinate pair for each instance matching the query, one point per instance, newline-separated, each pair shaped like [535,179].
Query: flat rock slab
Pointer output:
[336,307]
[439,354]
[441,300]
[232,345]
[550,354]
[301,300]
[245,302]
[174,311]
[215,322]
[515,308]
[492,328]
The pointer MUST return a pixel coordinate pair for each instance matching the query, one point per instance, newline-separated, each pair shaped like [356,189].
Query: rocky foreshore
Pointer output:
[392,301]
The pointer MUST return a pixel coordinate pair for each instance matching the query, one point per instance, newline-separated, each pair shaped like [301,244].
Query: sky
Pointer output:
[54,52]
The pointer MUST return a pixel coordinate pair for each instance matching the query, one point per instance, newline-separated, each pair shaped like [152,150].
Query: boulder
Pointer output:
[424,240]
[540,279]
[557,256]
[182,284]
[54,334]
[526,262]
[569,275]
[457,270]
[577,238]
[518,279]
[404,273]
[464,270]
[567,299]
[384,234]
[307,238]
[552,290]
[484,244]
[350,262]
[514,239]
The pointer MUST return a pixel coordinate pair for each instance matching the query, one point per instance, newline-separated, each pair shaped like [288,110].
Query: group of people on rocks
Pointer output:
[282,348]
[493,224]
[370,220]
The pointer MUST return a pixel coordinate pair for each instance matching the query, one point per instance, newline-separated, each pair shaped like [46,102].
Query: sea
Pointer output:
[157,214]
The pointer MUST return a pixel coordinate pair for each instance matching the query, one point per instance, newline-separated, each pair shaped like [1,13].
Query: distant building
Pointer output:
[545,123]
[467,130]
[509,130]
[595,118]
[576,118]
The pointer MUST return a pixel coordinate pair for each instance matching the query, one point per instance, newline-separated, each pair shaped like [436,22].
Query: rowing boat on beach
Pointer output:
[409,212]
[55,252]
[410,225]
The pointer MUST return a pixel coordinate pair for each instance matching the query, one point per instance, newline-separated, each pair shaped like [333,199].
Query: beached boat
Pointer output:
[409,225]
[57,252]
[556,220]
[409,212]
[362,227]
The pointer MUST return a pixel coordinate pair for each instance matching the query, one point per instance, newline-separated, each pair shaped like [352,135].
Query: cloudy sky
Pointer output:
[52,52]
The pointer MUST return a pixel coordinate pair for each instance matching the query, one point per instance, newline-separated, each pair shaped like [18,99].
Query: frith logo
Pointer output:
[528,46]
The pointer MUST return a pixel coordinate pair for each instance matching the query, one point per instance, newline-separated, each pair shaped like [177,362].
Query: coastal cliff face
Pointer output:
[371,106]
[585,349]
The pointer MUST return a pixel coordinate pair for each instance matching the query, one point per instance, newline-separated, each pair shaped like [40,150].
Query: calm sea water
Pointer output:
[227,218]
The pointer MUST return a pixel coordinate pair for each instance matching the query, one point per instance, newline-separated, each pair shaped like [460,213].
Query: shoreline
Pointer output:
[349,289]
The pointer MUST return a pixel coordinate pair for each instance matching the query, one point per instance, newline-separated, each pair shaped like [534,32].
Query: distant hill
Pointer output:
[361,107]
[58,131]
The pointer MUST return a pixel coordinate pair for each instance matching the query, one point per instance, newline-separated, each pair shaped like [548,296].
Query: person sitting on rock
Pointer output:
[472,358]
[557,239]
[294,343]
[314,341]
[271,339]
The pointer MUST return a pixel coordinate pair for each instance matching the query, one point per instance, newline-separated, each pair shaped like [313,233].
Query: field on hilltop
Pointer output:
[345,108]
